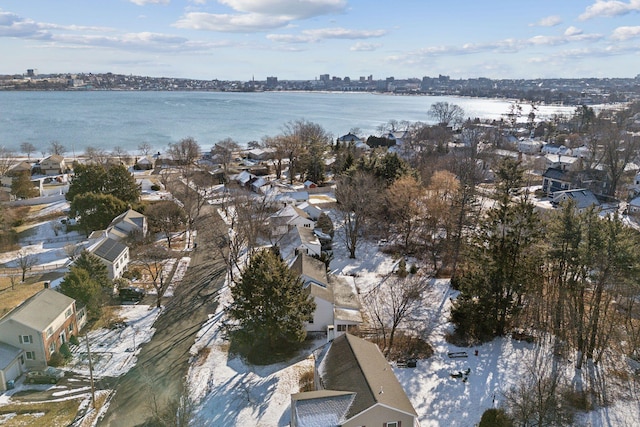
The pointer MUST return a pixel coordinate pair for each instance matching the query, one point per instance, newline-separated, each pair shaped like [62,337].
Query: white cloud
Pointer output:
[145,2]
[251,22]
[548,21]
[608,8]
[310,36]
[296,9]
[572,31]
[625,33]
[365,47]
[259,15]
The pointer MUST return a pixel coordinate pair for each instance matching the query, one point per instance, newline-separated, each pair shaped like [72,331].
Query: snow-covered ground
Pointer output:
[231,392]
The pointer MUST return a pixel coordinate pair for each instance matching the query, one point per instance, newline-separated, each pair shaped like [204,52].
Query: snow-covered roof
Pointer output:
[320,408]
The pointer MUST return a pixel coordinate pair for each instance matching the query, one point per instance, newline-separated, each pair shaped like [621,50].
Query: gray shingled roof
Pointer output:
[312,268]
[353,364]
[109,249]
[40,310]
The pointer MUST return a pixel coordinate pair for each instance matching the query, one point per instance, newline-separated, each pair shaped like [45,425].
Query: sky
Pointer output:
[302,39]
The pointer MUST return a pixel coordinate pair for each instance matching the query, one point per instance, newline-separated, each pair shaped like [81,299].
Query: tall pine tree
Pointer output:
[270,303]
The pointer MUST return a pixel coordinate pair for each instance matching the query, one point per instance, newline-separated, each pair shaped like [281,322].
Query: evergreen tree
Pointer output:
[270,303]
[79,284]
[96,178]
[95,267]
[503,261]
[22,187]
[325,224]
[96,211]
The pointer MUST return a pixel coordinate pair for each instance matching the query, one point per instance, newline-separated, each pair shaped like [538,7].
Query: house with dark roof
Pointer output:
[355,386]
[40,325]
[114,254]
[581,197]
[554,179]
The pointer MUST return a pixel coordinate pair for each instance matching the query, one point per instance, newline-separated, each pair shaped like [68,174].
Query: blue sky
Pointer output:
[301,39]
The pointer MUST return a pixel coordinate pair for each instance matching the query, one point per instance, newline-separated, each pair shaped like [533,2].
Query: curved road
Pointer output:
[163,362]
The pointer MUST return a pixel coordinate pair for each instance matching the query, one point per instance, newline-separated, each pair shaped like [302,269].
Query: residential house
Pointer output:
[260,154]
[337,306]
[53,165]
[145,163]
[309,184]
[355,386]
[556,149]
[555,180]
[312,210]
[40,325]
[11,364]
[581,197]
[114,254]
[128,224]
[349,139]
[558,161]
[292,198]
[287,218]
[529,146]
[299,240]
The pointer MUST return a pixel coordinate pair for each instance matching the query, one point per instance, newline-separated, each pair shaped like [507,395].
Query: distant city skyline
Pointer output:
[303,39]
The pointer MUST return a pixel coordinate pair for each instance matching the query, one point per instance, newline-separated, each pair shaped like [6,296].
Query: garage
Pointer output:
[11,364]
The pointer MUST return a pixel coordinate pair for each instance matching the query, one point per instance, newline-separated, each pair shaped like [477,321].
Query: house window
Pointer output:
[31,355]
[52,347]
[26,339]
[49,331]
[68,313]
[342,328]
[71,328]
[392,424]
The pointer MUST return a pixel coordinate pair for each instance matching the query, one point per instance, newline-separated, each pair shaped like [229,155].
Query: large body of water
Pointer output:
[106,119]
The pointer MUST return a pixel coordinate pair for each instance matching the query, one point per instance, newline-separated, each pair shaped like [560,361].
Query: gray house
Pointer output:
[355,386]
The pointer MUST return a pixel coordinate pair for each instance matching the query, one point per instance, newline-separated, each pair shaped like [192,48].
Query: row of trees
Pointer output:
[578,283]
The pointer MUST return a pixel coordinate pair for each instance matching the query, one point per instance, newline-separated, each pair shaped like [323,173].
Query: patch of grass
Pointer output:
[258,353]
[90,418]
[51,414]
[107,319]
[11,298]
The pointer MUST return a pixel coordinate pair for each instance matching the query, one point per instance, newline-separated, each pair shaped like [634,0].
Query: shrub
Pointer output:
[56,360]
[306,381]
[402,268]
[65,352]
[74,340]
[155,187]
[413,269]
[495,418]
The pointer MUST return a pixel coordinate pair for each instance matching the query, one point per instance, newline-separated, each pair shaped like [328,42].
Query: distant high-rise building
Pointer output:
[363,78]
[31,72]
[272,81]
[325,77]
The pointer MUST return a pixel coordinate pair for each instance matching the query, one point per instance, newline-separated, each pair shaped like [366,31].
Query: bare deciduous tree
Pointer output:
[153,259]
[7,160]
[57,148]
[27,148]
[223,152]
[392,302]
[25,262]
[446,114]
[357,197]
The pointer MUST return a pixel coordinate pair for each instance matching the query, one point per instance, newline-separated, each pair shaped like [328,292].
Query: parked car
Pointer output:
[131,293]
[50,375]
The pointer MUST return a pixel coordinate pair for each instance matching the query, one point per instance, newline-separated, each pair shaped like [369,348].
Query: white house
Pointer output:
[558,161]
[299,240]
[113,254]
[287,218]
[312,210]
[582,198]
[337,307]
